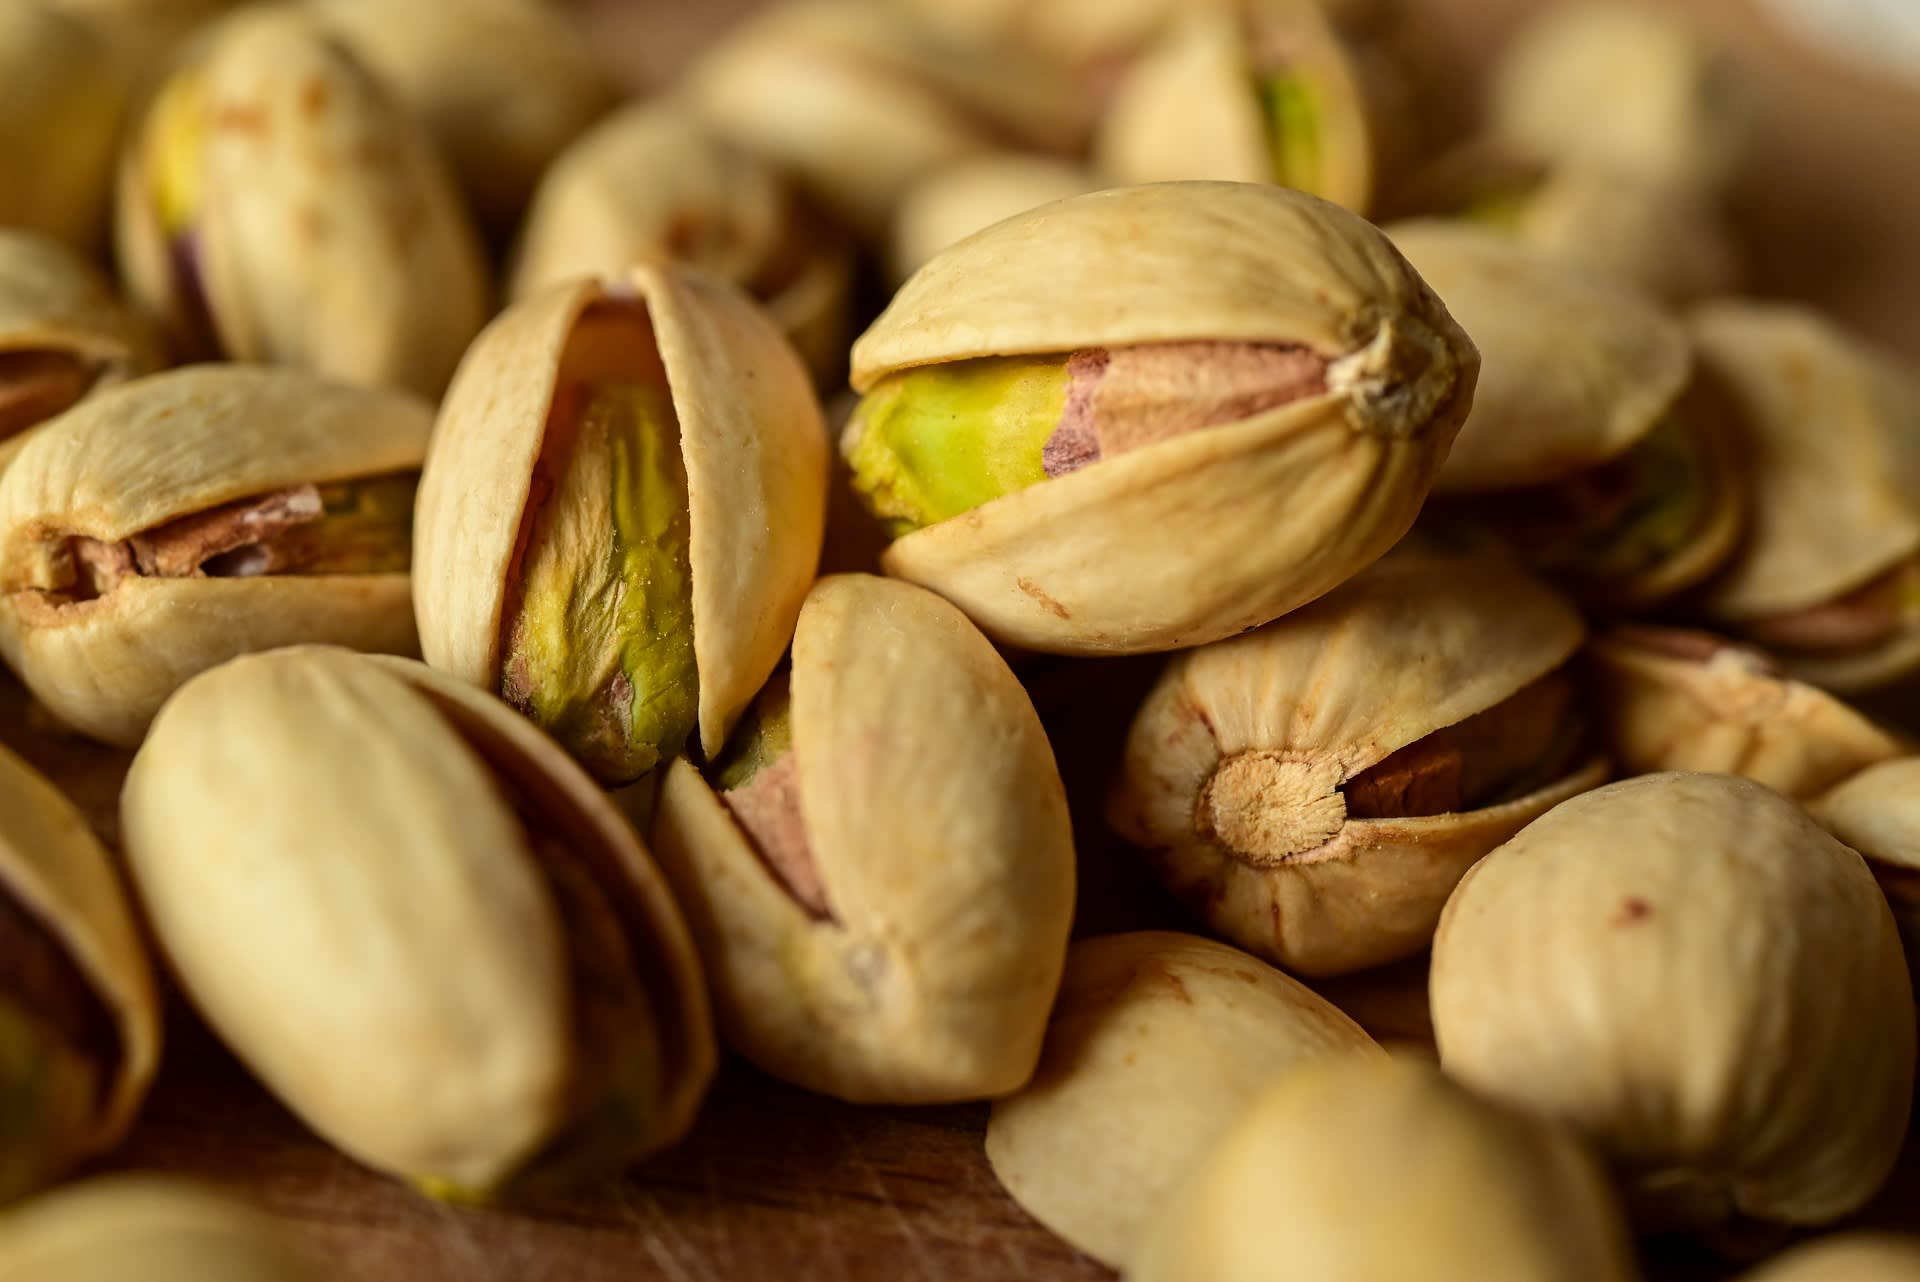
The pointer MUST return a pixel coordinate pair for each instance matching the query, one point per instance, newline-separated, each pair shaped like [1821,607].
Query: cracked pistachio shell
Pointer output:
[1335,1150]
[959,199]
[1845,1257]
[751,440]
[340,852]
[137,456]
[1157,1044]
[157,1229]
[1204,535]
[1877,812]
[60,886]
[1235,767]
[277,205]
[944,857]
[61,95]
[1689,972]
[502,85]
[652,184]
[1674,700]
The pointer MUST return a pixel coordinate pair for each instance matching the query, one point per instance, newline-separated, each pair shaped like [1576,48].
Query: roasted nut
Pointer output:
[276,205]
[1156,1045]
[339,852]
[171,523]
[959,199]
[1251,390]
[1593,447]
[650,184]
[1688,971]
[79,1018]
[1314,789]
[61,95]
[883,910]
[1877,812]
[1335,1150]
[621,513]
[1845,1257]
[1829,575]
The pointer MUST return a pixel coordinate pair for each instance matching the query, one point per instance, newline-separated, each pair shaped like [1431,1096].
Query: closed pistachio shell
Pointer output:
[1205,533]
[340,852]
[1877,812]
[61,94]
[171,523]
[1845,1257]
[1689,972]
[277,205]
[959,199]
[1334,1150]
[883,908]
[1158,1043]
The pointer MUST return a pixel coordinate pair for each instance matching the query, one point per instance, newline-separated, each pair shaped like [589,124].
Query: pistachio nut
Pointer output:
[277,205]
[1084,38]
[1313,789]
[1688,971]
[1594,447]
[1845,1257]
[157,1229]
[1828,577]
[61,95]
[173,522]
[62,335]
[79,1017]
[652,184]
[959,199]
[426,875]
[1156,416]
[1675,699]
[1877,812]
[1334,1150]
[502,85]
[143,34]
[882,909]
[621,512]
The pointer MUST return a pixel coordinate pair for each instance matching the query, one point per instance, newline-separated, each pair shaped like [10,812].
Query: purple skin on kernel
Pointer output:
[185,255]
[767,808]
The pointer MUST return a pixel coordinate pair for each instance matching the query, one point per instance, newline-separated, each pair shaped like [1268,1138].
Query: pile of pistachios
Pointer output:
[429,467]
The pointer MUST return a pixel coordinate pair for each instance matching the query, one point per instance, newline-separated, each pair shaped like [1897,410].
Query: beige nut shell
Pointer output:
[138,455]
[1292,501]
[1877,812]
[938,824]
[1234,765]
[959,199]
[755,450]
[1688,971]
[1158,1042]
[61,95]
[1845,1257]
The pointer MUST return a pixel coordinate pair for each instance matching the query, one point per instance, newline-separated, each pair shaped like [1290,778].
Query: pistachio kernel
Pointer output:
[1291,109]
[174,149]
[758,781]
[1857,620]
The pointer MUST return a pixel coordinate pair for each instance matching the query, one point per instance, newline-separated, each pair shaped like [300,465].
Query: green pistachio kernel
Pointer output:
[48,1092]
[1501,206]
[365,527]
[764,735]
[1292,112]
[176,141]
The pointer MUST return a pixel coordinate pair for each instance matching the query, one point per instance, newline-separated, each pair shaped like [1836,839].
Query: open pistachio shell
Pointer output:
[1334,1150]
[277,205]
[1299,481]
[652,184]
[710,519]
[61,94]
[79,1017]
[1314,789]
[1688,971]
[1877,812]
[1157,1044]
[340,852]
[171,523]
[887,921]
[1845,1257]
[959,199]
[149,1227]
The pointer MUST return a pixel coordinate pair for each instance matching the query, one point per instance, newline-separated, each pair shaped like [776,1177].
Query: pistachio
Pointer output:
[61,95]
[1093,1146]
[1473,1192]
[168,524]
[1271,355]
[1877,812]
[956,200]
[143,35]
[1573,966]
[1845,1257]
[429,872]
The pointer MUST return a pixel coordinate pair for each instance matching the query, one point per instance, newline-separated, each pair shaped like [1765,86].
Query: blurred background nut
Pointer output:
[143,34]
[1314,789]
[1845,1257]
[1380,1171]
[277,204]
[61,95]
[168,524]
[419,923]
[1877,812]
[1158,1043]
[959,199]
[621,513]
[1689,972]
[79,1017]
[879,868]
[1156,416]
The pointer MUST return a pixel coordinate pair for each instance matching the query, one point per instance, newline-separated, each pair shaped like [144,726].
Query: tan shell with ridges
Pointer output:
[1292,501]
[1158,1042]
[61,95]
[755,451]
[959,199]
[938,825]
[1688,971]
[143,453]
[1845,1257]
[1234,766]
